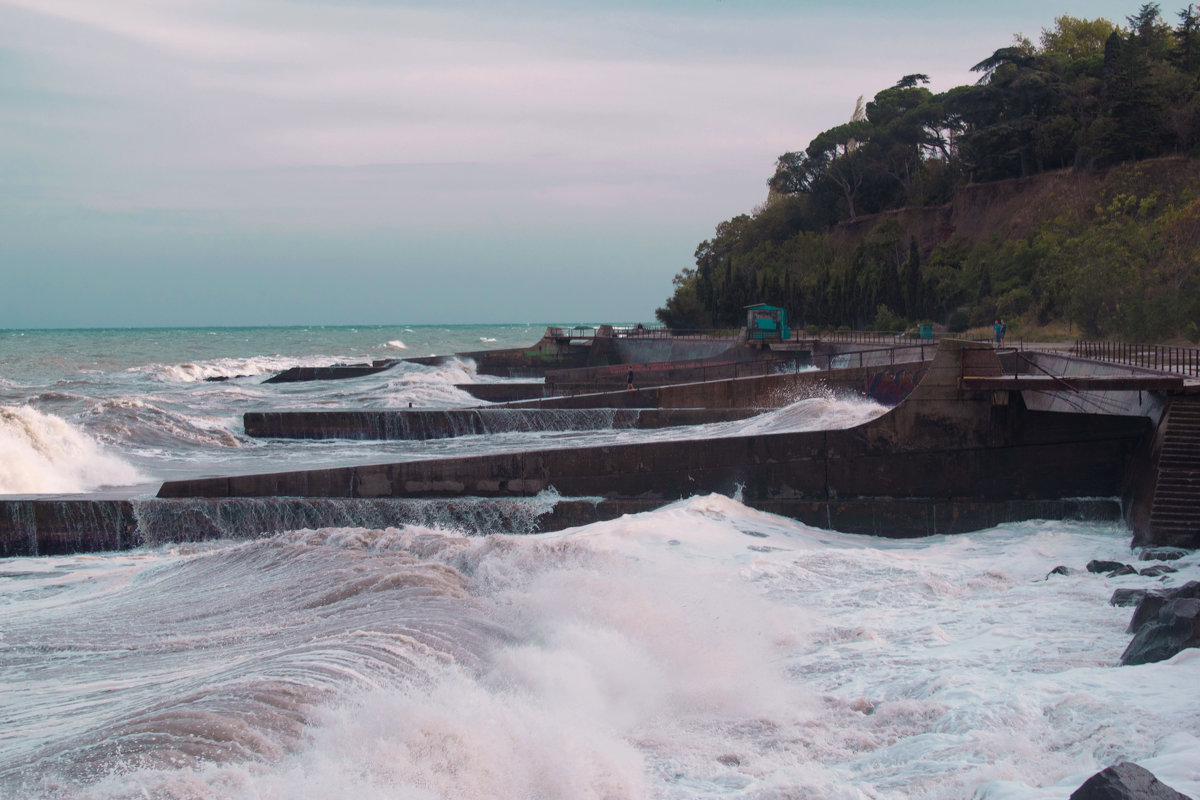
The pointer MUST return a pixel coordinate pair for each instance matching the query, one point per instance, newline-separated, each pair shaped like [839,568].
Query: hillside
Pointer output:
[1062,190]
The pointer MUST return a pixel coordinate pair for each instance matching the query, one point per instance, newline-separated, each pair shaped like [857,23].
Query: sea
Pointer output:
[702,650]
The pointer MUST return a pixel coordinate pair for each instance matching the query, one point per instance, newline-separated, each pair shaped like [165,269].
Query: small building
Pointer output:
[764,322]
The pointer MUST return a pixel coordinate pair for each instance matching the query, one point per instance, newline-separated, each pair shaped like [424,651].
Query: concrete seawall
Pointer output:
[943,448]
[418,424]
[951,457]
[57,527]
[888,384]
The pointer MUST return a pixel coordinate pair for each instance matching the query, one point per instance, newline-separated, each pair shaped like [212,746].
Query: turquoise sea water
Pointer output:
[82,410]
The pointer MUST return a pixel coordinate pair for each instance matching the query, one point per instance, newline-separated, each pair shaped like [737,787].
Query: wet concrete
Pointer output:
[420,424]
[944,447]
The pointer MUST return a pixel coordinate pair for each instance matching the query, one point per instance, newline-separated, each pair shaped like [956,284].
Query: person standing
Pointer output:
[1003,330]
[629,379]
[999,330]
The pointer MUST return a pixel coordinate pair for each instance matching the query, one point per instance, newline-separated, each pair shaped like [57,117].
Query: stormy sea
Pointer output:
[703,650]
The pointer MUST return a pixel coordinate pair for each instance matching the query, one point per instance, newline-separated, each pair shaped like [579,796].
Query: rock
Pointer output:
[1125,781]
[1124,569]
[1059,570]
[1156,570]
[1175,628]
[1126,597]
[1104,566]
[1163,553]
[1149,606]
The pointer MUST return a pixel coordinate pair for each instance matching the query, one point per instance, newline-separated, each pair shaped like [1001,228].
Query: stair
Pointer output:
[1175,511]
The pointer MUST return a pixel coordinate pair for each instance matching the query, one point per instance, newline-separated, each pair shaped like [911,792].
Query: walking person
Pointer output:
[999,329]
[629,379]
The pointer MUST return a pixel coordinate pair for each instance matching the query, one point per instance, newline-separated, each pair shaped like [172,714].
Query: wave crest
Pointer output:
[44,454]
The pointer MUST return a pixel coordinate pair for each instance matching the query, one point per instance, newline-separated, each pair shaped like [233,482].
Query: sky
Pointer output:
[277,162]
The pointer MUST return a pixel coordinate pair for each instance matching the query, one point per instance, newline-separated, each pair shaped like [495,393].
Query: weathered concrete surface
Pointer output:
[735,361]
[943,443]
[420,424]
[521,362]
[56,527]
[1164,496]
[888,384]
[502,392]
[331,373]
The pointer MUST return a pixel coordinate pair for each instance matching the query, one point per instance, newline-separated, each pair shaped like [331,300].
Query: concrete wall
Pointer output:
[52,527]
[942,444]
[420,424]
[889,384]
[1147,404]
[646,350]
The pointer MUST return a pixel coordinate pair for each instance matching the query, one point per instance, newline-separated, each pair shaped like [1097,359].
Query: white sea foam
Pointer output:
[430,387]
[191,372]
[44,454]
[395,344]
[831,412]
[703,650]
[135,422]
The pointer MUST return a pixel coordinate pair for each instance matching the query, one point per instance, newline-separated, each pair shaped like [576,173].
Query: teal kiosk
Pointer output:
[766,323]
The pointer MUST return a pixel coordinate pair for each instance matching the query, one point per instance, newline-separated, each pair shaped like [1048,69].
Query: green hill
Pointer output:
[1062,189]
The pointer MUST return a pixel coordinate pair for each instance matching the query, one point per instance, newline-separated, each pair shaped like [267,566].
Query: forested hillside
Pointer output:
[1062,188]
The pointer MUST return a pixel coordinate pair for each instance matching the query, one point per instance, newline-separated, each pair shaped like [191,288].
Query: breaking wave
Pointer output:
[44,454]
[222,368]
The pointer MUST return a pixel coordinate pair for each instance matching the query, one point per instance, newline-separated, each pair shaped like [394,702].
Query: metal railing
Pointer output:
[878,357]
[1161,357]
[660,332]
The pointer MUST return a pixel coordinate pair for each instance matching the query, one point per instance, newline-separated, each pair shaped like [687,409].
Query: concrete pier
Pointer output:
[960,452]
[979,437]
[47,527]
[420,425]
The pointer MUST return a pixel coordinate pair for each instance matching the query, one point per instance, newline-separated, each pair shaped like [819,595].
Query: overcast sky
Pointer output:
[229,162]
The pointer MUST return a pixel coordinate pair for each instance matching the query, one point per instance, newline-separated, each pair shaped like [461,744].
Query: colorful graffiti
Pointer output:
[889,388]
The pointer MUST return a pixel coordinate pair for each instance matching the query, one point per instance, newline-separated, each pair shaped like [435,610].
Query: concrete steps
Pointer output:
[1175,511]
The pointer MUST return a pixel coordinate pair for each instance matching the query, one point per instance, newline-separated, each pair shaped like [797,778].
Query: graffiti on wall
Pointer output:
[890,387]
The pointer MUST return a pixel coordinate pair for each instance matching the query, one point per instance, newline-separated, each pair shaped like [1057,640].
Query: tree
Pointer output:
[795,173]
[1020,90]
[912,281]
[1077,38]
[1187,40]
[1149,31]
[835,151]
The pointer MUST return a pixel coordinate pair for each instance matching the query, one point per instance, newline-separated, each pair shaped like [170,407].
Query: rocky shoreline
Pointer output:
[1165,621]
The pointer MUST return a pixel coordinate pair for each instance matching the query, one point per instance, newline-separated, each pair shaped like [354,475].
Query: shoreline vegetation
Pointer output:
[1061,193]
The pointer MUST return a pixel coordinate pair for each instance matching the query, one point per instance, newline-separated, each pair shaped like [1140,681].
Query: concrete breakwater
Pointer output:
[58,527]
[420,424]
[946,459]
[977,438]
[39,527]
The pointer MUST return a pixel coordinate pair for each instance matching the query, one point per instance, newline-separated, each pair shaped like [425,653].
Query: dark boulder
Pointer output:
[1149,606]
[1175,628]
[1104,566]
[1126,781]
[1163,553]
[1059,570]
[1157,570]
[1124,569]
[1126,597]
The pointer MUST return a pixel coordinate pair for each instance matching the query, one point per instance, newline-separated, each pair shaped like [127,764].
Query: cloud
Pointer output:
[135,126]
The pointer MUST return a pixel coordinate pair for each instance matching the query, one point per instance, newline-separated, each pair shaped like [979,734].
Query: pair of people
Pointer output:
[1000,328]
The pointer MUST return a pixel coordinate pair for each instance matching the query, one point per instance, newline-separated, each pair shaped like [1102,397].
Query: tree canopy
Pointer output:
[1090,96]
